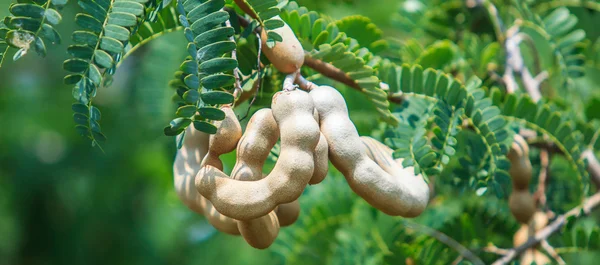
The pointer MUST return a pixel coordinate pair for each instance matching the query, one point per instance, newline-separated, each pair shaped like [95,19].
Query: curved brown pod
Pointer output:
[521,205]
[287,56]
[401,193]
[520,169]
[247,200]
[229,132]
[288,213]
[252,152]
[187,164]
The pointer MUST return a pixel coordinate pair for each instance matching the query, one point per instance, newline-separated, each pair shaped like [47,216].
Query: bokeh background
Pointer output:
[63,201]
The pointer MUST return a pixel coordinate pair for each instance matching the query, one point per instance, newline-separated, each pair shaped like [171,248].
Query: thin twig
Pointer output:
[496,250]
[237,89]
[330,71]
[304,84]
[443,238]
[543,234]
[290,80]
[593,166]
[540,194]
[552,252]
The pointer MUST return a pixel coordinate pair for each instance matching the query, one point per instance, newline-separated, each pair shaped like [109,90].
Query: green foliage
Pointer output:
[326,42]
[266,10]
[206,70]
[105,29]
[31,25]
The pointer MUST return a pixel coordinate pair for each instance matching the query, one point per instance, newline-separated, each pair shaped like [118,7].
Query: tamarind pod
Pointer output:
[186,166]
[248,200]
[253,149]
[520,169]
[229,132]
[540,220]
[261,232]
[522,205]
[288,213]
[401,193]
[532,255]
[286,56]
[521,235]
[321,161]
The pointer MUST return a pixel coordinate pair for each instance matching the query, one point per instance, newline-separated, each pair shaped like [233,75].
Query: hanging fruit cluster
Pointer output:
[314,128]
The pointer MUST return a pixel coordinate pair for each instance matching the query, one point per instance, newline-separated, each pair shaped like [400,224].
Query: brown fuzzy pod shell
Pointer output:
[287,56]
[539,221]
[252,152]
[390,188]
[288,213]
[532,255]
[321,157]
[521,205]
[520,169]
[187,164]
[249,200]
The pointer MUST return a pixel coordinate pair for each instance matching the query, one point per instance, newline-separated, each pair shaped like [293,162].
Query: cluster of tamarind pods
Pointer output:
[522,204]
[313,128]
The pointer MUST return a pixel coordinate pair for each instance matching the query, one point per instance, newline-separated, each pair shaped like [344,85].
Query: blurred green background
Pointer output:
[65,202]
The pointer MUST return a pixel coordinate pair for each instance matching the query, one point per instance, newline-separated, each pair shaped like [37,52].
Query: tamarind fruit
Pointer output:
[388,187]
[286,56]
[520,169]
[187,163]
[288,213]
[539,221]
[520,201]
[521,205]
[247,200]
[252,152]
[229,132]
[534,255]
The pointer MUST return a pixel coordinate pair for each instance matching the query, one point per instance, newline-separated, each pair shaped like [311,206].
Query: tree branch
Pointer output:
[443,238]
[591,203]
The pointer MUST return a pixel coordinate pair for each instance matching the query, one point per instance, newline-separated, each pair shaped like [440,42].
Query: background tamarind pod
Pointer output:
[539,221]
[522,205]
[229,132]
[533,255]
[321,161]
[521,235]
[520,169]
[401,194]
[186,166]
[286,56]
[288,213]
[261,232]
[248,200]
